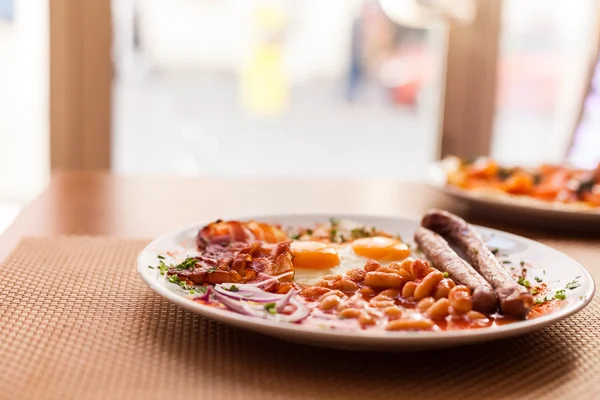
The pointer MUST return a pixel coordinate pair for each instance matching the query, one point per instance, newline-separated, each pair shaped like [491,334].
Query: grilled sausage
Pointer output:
[445,259]
[515,300]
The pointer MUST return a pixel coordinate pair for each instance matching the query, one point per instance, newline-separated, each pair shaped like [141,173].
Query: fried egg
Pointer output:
[313,260]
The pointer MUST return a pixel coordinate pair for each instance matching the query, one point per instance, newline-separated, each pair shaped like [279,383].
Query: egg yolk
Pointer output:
[313,255]
[381,248]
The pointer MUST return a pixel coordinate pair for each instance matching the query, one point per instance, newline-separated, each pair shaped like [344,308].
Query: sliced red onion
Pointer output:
[302,311]
[285,300]
[241,305]
[205,295]
[237,305]
[252,294]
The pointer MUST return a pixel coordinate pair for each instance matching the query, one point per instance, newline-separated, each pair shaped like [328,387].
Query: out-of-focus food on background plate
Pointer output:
[546,194]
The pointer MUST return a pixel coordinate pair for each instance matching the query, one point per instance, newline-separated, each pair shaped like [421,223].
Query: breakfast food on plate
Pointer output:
[445,259]
[547,183]
[344,275]
[515,299]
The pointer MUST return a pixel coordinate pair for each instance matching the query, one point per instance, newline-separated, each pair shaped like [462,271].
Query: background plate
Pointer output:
[518,209]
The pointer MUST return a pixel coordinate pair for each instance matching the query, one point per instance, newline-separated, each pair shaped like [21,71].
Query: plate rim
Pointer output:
[398,339]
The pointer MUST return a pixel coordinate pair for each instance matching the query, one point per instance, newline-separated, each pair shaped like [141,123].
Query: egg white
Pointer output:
[348,260]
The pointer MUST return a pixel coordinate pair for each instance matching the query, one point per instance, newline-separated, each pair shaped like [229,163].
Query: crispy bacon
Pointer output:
[225,232]
[236,252]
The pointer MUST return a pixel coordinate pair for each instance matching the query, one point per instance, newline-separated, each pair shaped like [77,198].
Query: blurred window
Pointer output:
[273,88]
[544,57]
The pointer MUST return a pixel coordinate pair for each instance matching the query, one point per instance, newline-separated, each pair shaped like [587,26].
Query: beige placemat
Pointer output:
[76,323]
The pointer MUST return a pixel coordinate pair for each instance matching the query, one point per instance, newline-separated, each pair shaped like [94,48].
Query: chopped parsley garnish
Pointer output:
[542,301]
[506,262]
[270,308]
[296,237]
[334,222]
[522,263]
[538,279]
[574,283]
[560,294]
[446,274]
[475,251]
[523,282]
[342,238]
[188,263]
[495,251]
[585,186]
[211,270]
[581,297]
[150,266]
[358,233]
[191,289]
[534,291]
[332,234]
[160,257]
[233,288]
[504,173]
[309,231]
[162,267]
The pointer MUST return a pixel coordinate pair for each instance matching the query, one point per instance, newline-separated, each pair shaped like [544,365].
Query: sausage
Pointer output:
[445,259]
[515,300]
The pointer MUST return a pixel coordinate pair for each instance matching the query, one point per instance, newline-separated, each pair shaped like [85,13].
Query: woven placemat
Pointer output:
[76,322]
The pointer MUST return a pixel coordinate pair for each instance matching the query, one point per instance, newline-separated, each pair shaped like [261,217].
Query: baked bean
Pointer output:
[387,270]
[391,293]
[350,313]
[372,265]
[393,312]
[425,303]
[367,291]
[383,280]
[443,288]
[404,324]
[395,265]
[406,275]
[345,285]
[314,291]
[365,319]
[439,310]
[409,289]
[460,299]
[406,264]
[356,275]
[331,293]
[427,285]
[329,302]
[420,269]
[475,315]
[378,303]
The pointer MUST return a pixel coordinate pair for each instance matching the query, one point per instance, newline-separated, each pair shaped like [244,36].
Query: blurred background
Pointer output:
[361,89]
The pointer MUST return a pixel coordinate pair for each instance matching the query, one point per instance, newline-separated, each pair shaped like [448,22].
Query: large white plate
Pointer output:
[496,204]
[555,267]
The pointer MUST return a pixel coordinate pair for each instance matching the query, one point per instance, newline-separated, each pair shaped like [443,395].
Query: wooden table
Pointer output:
[98,203]
[91,328]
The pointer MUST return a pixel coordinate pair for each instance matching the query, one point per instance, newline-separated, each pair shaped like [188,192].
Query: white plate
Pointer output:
[494,204]
[559,269]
